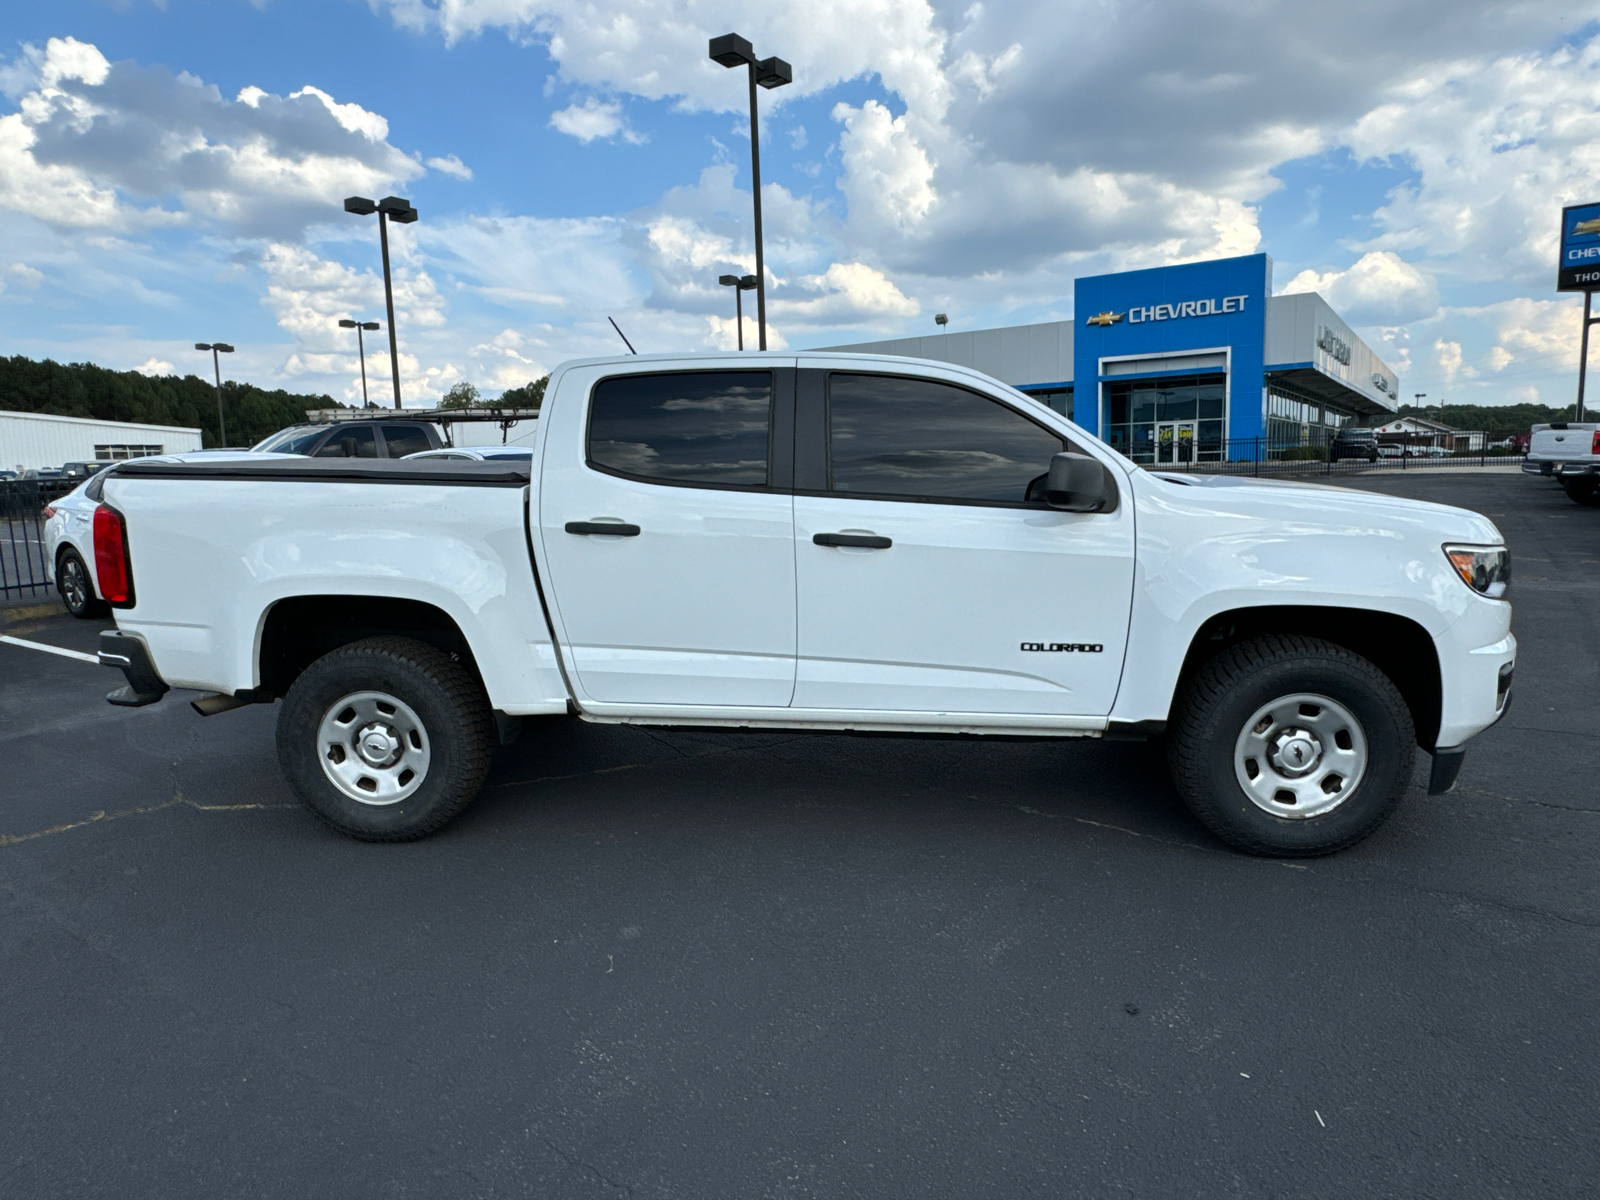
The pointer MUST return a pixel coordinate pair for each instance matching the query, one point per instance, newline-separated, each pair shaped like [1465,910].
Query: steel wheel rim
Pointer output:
[74,585]
[1300,756]
[374,748]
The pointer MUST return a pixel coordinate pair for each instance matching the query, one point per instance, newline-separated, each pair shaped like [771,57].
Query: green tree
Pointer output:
[87,390]
[529,395]
[460,395]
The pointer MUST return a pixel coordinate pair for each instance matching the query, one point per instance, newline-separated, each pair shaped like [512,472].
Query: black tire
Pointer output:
[456,733]
[1209,723]
[76,587]
[1585,489]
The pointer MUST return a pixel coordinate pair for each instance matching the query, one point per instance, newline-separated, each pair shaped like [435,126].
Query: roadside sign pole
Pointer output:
[1583,350]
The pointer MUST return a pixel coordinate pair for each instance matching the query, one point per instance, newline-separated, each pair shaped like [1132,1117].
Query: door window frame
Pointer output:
[780,432]
[813,438]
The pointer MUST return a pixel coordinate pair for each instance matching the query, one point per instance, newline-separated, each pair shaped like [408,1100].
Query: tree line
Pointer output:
[1498,421]
[87,390]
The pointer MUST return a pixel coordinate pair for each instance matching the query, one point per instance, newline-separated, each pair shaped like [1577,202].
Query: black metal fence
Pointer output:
[22,552]
[1266,457]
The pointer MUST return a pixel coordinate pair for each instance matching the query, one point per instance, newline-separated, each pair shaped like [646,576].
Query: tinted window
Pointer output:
[294,440]
[354,442]
[692,427]
[402,440]
[913,437]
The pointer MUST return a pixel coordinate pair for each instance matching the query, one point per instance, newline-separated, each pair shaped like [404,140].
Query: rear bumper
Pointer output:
[130,656]
[1560,468]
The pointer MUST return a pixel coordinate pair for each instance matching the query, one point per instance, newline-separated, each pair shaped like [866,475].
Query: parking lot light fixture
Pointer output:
[217,348]
[358,326]
[740,285]
[390,208]
[731,50]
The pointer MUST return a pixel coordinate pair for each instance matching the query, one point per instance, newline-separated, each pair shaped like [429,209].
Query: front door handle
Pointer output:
[870,541]
[608,528]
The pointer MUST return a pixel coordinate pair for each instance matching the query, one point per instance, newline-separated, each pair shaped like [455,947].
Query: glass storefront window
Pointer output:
[1168,421]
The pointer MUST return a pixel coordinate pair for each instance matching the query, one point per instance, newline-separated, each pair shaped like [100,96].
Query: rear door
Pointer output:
[692,601]
[928,581]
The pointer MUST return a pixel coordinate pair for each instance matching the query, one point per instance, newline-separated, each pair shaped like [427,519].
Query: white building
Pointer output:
[29,441]
[1426,431]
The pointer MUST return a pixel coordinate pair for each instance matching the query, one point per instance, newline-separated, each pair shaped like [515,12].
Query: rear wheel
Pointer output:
[76,588]
[1290,746]
[386,739]
[1585,489]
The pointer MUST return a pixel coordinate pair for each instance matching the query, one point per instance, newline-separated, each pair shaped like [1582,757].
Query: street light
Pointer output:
[217,348]
[731,50]
[358,326]
[940,320]
[390,208]
[740,285]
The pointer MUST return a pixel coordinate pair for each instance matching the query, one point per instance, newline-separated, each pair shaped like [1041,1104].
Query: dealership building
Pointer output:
[1191,363]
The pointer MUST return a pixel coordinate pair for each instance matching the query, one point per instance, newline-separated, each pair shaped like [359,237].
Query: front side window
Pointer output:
[354,442]
[916,438]
[694,427]
[294,440]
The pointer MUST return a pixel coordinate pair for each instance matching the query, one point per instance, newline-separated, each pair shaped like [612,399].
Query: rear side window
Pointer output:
[405,439]
[356,441]
[695,427]
[919,439]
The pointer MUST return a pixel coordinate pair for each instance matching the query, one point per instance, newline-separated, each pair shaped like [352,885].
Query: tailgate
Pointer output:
[1575,441]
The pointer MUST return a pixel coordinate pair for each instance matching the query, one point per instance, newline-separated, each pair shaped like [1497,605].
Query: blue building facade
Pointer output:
[1190,363]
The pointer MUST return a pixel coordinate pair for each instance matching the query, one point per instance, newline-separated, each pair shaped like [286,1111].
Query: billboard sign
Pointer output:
[1580,249]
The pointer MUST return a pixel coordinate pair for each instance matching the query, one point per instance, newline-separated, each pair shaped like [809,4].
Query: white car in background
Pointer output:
[69,562]
[479,453]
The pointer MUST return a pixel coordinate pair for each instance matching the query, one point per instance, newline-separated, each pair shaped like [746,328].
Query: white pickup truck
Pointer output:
[812,541]
[1568,451]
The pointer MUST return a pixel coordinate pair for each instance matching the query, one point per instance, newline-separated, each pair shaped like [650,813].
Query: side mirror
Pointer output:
[1076,483]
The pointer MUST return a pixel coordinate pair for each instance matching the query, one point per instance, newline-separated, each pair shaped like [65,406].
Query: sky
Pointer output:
[172,171]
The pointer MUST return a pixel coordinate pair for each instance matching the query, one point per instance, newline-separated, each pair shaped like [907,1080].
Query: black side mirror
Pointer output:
[1076,483]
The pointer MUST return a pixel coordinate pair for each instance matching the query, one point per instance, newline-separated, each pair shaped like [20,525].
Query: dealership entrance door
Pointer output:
[1175,442]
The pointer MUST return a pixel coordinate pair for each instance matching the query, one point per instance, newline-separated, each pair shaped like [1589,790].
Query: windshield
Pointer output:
[297,439]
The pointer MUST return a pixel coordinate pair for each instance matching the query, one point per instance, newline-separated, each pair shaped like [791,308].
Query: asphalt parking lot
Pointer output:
[647,964]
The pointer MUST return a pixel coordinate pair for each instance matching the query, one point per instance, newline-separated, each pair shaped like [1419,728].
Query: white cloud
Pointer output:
[452,166]
[92,140]
[1380,288]
[154,366]
[593,119]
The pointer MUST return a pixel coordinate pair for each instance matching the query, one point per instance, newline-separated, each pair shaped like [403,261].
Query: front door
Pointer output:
[1175,442]
[928,581]
[691,601]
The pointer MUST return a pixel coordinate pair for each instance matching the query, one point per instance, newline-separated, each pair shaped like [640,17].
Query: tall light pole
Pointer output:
[731,50]
[217,348]
[740,285]
[358,326]
[390,208]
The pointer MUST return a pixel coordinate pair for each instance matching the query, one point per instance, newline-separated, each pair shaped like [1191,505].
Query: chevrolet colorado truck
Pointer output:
[1569,451]
[813,541]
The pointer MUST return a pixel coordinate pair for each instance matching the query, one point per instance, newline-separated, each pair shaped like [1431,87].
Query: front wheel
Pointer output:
[386,739]
[1290,746]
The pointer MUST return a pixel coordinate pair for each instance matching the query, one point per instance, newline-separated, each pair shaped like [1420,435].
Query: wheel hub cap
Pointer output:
[373,747]
[1300,756]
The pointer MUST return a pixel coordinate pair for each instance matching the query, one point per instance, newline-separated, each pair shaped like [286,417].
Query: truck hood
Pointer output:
[1304,505]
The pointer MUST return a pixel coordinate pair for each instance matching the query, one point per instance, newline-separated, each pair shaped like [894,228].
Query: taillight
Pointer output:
[1594,445]
[111,568]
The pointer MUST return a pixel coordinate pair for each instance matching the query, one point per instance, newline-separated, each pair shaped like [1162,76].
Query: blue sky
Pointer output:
[571,164]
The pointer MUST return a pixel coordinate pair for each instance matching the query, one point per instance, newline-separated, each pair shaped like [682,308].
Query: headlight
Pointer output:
[1484,569]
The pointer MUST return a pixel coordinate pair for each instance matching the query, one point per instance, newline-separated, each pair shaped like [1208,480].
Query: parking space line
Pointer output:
[27,645]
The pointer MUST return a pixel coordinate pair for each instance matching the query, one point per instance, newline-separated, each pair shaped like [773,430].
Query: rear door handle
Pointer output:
[609,528]
[870,541]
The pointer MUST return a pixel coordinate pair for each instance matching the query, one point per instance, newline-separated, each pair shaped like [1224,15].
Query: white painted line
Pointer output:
[27,645]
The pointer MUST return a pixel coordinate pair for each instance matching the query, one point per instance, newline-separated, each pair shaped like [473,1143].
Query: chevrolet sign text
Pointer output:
[1186,308]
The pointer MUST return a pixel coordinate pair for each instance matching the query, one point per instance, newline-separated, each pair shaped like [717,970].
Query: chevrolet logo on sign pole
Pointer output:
[1105,318]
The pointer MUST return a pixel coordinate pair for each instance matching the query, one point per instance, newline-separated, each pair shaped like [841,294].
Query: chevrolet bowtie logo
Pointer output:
[1586,227]
[1105,318]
